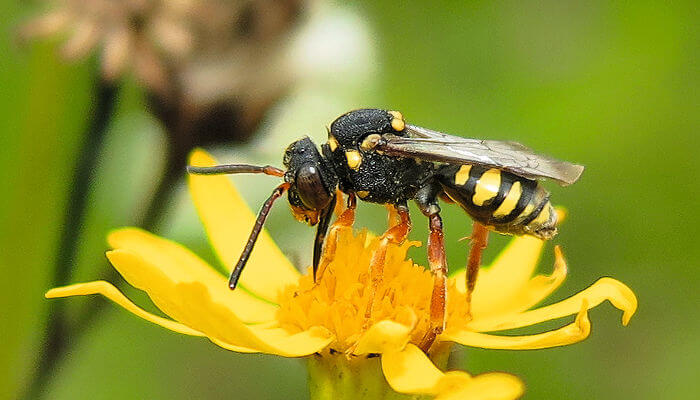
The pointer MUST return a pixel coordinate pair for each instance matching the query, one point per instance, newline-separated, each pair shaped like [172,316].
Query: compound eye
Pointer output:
[312,192]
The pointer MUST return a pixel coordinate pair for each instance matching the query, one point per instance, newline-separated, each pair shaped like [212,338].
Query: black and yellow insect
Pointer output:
[374,155]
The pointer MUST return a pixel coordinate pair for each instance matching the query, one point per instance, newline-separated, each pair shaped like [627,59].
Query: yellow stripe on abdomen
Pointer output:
[487,187]
[462,176]
[510,201]
[543,217]
[529,209]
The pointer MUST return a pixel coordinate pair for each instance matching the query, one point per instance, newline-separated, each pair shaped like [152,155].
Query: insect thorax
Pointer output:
[374,177]
[378,178]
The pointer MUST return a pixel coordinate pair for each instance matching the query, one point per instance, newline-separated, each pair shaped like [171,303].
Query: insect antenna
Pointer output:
[257,228]
[235,169]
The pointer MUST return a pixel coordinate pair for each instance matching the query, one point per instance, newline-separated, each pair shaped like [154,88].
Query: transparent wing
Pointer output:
[430,145]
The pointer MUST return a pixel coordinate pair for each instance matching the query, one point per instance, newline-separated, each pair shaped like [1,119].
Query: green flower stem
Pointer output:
[337,377]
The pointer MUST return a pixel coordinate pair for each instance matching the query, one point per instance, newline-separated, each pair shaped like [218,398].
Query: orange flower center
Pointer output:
[341,299]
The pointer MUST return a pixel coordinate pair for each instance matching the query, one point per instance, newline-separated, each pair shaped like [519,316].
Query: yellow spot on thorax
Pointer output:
[397,123]
[354,159]
[332,143]
[396,114]
[462,176]
[510,201]
[362,193]
[487,187]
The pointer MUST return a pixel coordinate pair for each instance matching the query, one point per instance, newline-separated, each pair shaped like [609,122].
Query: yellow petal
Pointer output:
[280,342]
[572,333]
[109,291]
[506,286]
[228,221]
[410,371]
[508,274]
[382,337]
[200,306]
[230,347]
[610,289]
[168,260]
[540,287]
[489,386]
[530,294]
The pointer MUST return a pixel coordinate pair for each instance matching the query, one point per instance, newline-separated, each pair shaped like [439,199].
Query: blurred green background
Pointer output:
[612,85]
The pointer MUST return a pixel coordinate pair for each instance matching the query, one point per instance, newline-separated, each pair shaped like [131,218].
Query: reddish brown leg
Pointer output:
[345,220]
[393,218]
[438,266]
[395,234]
[479,238]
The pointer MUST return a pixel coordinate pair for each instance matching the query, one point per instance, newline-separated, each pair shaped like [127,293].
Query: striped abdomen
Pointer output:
[506,202]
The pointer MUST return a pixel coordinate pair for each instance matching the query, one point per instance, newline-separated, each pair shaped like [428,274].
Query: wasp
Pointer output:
[374,155]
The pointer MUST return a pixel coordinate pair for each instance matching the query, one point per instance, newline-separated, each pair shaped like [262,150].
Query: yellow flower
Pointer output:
[282,312]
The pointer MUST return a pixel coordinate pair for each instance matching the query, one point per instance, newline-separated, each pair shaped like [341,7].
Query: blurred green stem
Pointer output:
[58,338]
[54,341]
[55,344]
